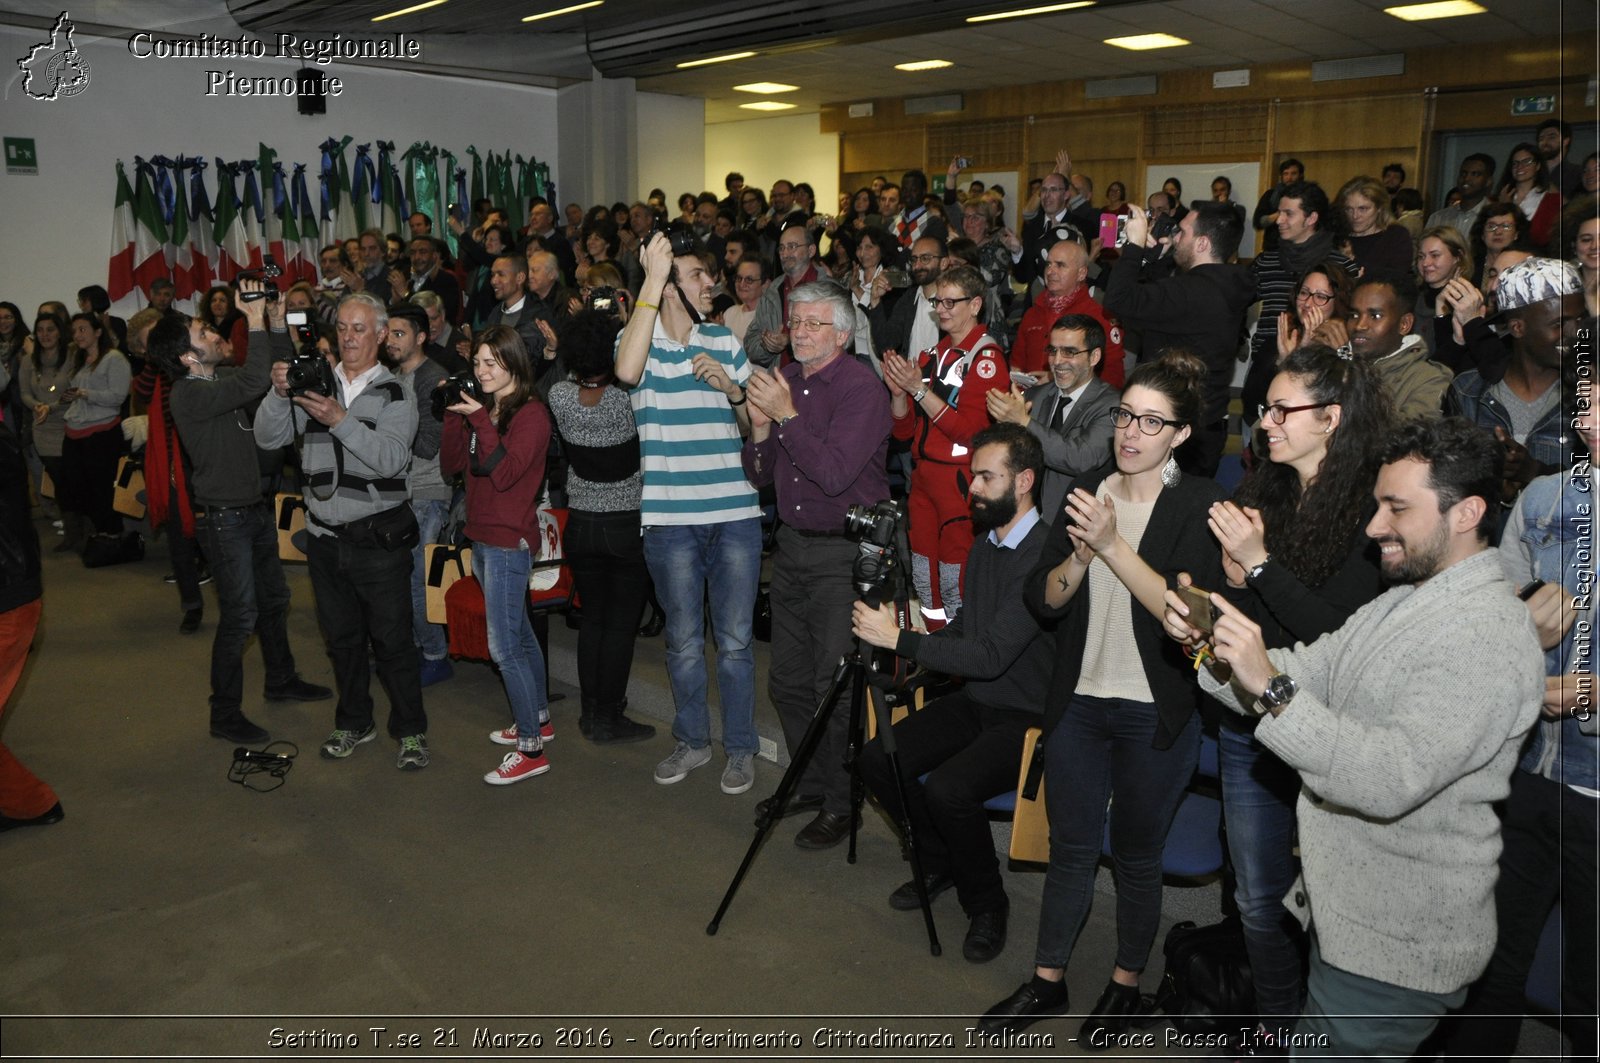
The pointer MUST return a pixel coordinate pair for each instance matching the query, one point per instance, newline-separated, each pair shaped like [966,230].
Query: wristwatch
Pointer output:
[1280,691]
[1254,572]
[919,394]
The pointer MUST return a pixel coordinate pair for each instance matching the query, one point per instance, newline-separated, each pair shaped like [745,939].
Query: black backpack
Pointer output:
[1206,987]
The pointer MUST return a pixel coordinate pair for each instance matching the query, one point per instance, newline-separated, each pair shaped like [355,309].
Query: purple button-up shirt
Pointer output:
[831,455]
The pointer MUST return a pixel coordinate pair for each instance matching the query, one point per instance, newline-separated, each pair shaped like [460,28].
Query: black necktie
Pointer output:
[1059,417]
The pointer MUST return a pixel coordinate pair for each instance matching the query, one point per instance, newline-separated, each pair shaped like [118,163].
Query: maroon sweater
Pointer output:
[502,501]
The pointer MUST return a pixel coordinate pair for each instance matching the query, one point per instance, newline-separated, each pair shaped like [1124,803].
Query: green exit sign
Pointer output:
[1526,105]
[21,155]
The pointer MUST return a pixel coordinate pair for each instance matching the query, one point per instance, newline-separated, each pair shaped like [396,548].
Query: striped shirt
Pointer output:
[689,442]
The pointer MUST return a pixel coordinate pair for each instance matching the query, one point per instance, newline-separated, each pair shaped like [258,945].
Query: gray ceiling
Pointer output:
[839,50]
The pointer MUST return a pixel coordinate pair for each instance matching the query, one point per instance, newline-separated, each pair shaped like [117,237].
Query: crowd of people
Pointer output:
[1385,622]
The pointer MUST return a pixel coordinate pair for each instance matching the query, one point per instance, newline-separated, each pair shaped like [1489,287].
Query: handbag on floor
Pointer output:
[1206,987]
[104,550]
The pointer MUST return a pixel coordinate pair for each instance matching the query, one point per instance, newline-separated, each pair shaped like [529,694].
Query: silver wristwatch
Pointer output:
[1280,691]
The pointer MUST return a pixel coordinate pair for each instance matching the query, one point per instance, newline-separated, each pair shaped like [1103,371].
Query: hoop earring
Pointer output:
[1170,474]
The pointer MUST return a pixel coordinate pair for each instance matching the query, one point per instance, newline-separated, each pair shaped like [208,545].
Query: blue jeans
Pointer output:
[1101,751]
[252,599]
[504,576]
[1258,800]
[687,562]
[431,515]
[364,595]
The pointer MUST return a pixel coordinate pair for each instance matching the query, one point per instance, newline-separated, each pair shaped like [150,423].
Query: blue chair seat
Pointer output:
[1194,843]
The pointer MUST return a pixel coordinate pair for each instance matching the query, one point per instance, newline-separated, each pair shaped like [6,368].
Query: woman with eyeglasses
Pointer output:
[748,280]
[1527,185]
[1377,244]
[1297,560]
[1323,295]
[1500,227]
[1122,726]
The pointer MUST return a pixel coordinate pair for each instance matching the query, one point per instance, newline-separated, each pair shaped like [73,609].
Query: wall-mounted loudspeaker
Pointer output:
[311,95]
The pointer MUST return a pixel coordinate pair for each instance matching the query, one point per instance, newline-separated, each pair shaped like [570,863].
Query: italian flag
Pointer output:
[233,254]
[149,234]
[180,252]
[273,235]
[119,282]
[310,244]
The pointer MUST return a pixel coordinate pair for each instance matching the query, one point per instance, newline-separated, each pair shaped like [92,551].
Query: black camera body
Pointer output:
[603,299]
[310,374]
[1165,225]
[299,322]
[680,237]
[875,529]
[451,390]
[269,273]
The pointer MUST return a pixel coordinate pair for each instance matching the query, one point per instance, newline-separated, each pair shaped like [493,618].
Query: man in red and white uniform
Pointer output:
[1066,291]
[939,402]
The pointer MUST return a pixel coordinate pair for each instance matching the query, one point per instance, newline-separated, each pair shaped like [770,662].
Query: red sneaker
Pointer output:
[516,767]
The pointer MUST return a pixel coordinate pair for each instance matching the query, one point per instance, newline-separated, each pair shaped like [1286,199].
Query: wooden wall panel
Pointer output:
[882,152]
[1367,122]
[1491,108]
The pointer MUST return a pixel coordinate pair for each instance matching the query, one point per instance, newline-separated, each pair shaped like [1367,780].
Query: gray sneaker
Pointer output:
[342,743]
[683,760]
[413,753]
[740,774]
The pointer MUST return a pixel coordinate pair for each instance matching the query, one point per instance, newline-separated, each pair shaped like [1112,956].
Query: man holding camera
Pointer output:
[355,451]
[702,524]
[819,433]
[208,403]
[969,743]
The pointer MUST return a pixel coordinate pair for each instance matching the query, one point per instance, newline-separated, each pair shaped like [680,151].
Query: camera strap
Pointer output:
[485,467]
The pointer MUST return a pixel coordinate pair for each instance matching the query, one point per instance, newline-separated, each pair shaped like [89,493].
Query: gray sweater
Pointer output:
[426,482]
[1405,731]
[213,419]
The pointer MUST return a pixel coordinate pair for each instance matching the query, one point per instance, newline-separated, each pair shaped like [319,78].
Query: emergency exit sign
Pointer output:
[1526,105]
[21,155]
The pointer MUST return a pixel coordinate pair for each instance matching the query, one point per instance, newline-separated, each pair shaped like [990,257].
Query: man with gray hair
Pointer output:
[819,433]
[355,453]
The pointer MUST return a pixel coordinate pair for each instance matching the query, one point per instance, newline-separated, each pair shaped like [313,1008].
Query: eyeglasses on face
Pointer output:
[950,304]
[1279,413]
[1524,161]
[924,258]
[1149,423]
[1051,351]
[1500,227]
[1320,298]
[809,324]
[742,279]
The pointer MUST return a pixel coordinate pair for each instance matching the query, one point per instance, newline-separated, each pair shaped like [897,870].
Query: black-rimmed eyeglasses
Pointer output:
[1149,423]
[1279,413]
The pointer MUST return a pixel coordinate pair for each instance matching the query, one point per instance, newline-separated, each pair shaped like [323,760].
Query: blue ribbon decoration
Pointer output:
[329,177]
[199,199]
[252,192]
[279,192]
[166,195]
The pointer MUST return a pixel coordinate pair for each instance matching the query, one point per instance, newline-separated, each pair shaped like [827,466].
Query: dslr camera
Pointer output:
[268,274]
[451,390]
[310,374]
[603,299]
[875,529]
[680,237]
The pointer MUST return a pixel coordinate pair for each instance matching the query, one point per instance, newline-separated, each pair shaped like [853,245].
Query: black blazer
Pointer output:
[1177,540]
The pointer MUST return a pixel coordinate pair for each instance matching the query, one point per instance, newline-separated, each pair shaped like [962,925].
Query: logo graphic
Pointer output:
[55,69]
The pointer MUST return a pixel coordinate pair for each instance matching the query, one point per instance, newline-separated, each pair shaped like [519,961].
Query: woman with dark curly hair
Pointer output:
[1297,560]
[1500,227]
[1528,186]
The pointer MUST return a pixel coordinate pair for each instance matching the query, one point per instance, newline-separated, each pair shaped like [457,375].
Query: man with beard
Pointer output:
[1404,725]
[819,432]
[965,747]
[903,319]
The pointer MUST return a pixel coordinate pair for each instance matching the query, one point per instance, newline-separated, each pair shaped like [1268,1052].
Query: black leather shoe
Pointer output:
[654,626]
[986,937]
[1021,1010]
[798,803]
[298,690]
[190,623]
[905,898]
[44,819]
[1112,1014]
[824,832]
[238,730]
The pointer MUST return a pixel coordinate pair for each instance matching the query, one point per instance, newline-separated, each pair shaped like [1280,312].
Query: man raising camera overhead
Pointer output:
[355,453]
[819,432]
[210,405]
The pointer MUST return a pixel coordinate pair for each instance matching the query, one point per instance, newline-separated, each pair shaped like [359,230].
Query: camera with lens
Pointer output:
[451,391]
[875,529]
[1164,226]
[603,299]
[268,274]
[680,237]
[310,373]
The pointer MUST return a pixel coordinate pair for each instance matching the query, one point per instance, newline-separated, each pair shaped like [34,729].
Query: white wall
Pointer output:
[791,148]
[58,223]
[672,147]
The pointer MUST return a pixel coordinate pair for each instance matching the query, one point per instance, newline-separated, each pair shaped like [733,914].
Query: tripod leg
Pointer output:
[791,778]
[857,729]
[891,749]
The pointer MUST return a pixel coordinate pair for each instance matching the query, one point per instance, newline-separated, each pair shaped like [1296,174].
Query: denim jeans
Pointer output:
[611,581]
[1258,801]
[364,595]
[185,554]
[687,562]
[504,576]
[1101,751]
[252,598]
[431,515]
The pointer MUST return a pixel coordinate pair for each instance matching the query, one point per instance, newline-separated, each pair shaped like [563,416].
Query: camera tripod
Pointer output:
[852,671]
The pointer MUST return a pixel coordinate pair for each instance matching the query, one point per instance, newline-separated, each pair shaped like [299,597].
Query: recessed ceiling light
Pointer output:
[1446,9]
[926,64]
[1143,42]
[1023,12]
[563,11]
[715,59]
[767,105]
[766,88]
[409,10]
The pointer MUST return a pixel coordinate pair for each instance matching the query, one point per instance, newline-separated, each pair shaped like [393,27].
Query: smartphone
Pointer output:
[1021,379]
[1202,613]
[962,162]
[1113,229]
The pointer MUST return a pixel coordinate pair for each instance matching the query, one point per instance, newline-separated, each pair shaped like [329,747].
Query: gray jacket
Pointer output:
[1082,444]
[1405,730]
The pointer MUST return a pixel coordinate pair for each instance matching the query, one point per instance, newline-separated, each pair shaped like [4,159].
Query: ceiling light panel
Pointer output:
[730,57]
[563,11]
[767,105]
[409,10]
[1026,11]
[1445,9]
[1144,42]
[765,88]
[925,64]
